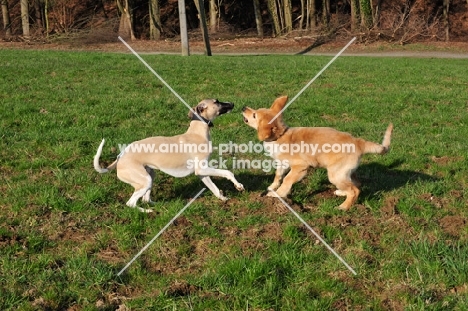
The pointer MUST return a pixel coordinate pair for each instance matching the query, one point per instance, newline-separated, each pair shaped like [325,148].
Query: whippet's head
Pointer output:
[209,109]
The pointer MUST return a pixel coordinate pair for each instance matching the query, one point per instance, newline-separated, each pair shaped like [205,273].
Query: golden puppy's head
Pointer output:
[260,120]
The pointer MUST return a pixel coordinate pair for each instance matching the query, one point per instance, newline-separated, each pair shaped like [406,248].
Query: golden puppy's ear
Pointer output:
[278,104]
[264,131]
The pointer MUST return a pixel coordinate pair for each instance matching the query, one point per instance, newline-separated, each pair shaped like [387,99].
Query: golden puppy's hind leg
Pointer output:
[345,187]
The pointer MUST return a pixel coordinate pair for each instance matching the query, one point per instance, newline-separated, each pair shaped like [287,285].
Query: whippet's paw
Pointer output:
[240,187]
[222,197]
[145,210]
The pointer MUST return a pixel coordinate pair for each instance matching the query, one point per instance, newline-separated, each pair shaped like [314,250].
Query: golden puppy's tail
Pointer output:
[371,147]
[97,166]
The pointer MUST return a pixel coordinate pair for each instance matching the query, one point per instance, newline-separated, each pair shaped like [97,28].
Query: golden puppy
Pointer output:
[302,147]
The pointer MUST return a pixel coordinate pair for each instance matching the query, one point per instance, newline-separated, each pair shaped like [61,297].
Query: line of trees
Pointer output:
[401,20]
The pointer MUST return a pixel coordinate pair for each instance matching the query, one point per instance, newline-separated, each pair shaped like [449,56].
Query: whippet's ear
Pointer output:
[198,109]
[201,107]
[190,113]
[278,104]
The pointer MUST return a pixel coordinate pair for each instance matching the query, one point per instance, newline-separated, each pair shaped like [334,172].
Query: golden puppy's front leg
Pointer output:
[297,173]
[278,177]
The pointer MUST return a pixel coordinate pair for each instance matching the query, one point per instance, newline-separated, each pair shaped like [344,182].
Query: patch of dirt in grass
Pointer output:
[110,255]
[434,200]
[389,207]
[181,288]
[9,237]
[453,225]
[445,160]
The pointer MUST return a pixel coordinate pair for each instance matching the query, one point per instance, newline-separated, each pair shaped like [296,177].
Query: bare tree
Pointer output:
[446,19]
[38,13]
[125,26]
[301,19]
[365,9]
[258,18]
[311,21]
[378,7]
[155,20]
[213,16]
[6,18]
[183,28]
[287,15]
[355,15]
[25,18]
[326,13]
[204,29]
[273,10]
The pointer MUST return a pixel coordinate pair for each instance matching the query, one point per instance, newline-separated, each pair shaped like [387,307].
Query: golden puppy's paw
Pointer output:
[273,187]
[343,207]
[340,193]
[271,194]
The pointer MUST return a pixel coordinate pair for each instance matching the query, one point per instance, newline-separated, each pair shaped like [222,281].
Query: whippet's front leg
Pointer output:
[207,181]
[209,171]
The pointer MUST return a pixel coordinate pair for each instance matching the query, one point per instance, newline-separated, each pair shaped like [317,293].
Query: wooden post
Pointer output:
[203,26]
[183,29]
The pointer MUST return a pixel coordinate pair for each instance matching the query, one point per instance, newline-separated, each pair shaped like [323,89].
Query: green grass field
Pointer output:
[65,231]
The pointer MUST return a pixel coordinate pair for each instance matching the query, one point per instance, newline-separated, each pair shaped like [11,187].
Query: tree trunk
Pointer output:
[258,18]
[365,8]
[326,13]
[213,16]
[6,18]
[38,15]
[377,14]
[446,20]
[311,21]
[25,18]
[273,10]
[155,20]
[183,28]
[355,15]
[301,20]
[125,26]
[280,12]
[287,16]
[46,17]
[204,29]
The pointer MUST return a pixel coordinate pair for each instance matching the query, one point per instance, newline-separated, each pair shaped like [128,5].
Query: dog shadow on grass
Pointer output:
[376,178]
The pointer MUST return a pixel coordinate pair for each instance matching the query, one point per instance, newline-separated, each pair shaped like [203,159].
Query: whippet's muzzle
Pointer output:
[224,107]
